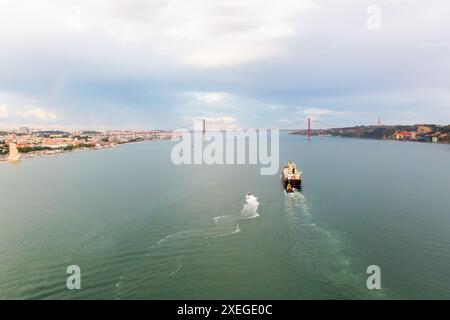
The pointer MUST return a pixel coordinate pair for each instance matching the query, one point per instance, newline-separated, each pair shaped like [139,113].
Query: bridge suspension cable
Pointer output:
[326,124]
[289,125]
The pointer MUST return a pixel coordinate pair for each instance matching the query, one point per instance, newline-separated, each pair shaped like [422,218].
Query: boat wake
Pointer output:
[231,222]
[176,270]
[219,220]
[170,255]
[313,245]
[250,209]
[236,230]
[296,200]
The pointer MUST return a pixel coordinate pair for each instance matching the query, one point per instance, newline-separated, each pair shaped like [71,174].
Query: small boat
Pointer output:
[250,196]
[291,177]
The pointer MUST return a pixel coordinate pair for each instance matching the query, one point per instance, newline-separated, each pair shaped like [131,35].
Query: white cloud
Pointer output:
[206,33]
[208,103]
[224,108]
[229,120]
[334,118]
[38,114]
[317,112]
[4,111]
[216,123]
[316,53]
[210,98]
[199,33]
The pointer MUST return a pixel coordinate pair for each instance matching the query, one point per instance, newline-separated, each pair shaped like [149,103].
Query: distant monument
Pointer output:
[14,154]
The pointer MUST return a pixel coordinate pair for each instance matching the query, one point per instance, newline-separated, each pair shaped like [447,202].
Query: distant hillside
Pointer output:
[418,132]
[48,133]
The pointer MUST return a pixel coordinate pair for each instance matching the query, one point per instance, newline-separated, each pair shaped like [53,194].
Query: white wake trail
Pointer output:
[250,209]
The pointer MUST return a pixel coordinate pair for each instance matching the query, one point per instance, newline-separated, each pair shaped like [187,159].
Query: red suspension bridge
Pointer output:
[304,127]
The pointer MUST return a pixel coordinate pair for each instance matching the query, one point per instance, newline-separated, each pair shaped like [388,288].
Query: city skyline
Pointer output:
[162,64]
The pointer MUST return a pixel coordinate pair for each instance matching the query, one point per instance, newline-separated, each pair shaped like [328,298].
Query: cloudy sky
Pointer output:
[238,63]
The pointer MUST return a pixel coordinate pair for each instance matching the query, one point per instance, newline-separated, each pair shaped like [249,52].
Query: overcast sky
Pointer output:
[146,64]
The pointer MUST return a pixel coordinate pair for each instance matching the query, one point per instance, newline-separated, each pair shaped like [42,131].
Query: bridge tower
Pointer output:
[309,128]
[204,127]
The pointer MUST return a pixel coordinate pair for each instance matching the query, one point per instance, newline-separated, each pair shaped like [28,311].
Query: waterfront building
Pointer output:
[14,154]
[423,129]
[405,135]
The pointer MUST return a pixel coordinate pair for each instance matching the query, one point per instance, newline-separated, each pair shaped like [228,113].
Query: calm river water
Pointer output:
[140,227]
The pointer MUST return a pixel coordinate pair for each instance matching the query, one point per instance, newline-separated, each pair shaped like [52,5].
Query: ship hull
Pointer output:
[291,175]
[295,183]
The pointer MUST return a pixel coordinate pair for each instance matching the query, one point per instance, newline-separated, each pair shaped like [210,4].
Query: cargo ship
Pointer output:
[291,177]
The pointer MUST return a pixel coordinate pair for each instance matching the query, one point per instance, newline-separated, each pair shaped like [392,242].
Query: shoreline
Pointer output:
[78,150]
[372,139]
[3,161]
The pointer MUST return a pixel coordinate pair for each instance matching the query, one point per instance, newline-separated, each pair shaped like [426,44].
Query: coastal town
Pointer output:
[420,132]
[26,143]
[31,143]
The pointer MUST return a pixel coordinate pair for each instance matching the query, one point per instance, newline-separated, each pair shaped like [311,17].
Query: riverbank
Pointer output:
[39,154]
[417,133]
